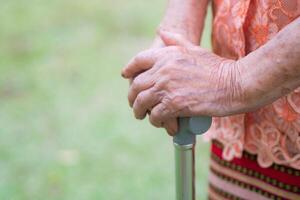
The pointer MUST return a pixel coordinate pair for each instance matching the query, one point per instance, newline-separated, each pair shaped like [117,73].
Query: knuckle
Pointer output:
[136,83]
[140,99]
[178,104]
[162,111]
[163,70]
[164,83]
[181,61]
[174,48]
[153,52]
[154,115]
[177,99]
[154,119]
[140,104]
[167,77]
[138,57]
[173,103]
[160,85]
[135,60]
[166,70]
[173,63]
[167,101]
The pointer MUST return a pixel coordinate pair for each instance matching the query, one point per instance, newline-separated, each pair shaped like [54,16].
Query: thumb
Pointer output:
[174,39]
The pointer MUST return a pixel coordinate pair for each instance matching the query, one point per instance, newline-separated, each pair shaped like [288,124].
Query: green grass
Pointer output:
[66,131]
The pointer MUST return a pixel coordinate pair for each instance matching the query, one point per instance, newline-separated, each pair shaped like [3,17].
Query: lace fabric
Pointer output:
[272,132]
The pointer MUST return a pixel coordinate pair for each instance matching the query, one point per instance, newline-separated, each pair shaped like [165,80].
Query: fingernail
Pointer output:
[130,104]
[171,132]
[123,74]
[174,132]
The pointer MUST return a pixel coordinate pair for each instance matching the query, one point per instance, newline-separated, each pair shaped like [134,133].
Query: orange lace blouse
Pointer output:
[272,132]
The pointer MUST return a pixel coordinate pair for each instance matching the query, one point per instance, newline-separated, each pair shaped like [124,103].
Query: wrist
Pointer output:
[190,33]
[234,91]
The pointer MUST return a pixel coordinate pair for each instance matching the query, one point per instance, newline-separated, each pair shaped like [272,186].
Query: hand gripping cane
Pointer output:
[184,143]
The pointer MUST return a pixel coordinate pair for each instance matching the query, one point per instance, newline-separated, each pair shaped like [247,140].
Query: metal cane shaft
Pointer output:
[185,172]
[184,142]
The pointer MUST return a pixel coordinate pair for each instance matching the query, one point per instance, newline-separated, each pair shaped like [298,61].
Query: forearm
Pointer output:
[273,70]
[186,18]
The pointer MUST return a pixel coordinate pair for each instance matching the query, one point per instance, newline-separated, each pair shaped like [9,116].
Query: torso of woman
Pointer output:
[255,155]
[272,133]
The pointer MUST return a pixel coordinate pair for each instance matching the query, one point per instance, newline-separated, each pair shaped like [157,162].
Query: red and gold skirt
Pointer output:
[243,178]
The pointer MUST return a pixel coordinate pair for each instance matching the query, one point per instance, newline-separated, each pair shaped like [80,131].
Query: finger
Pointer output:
[145,60]
[143,82]
[171,126]
[174,39]
[140,83]
[141,62]
[145,101]
[156,118]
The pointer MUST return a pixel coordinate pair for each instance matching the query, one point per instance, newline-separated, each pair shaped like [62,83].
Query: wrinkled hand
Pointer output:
[181,80]
[169,125]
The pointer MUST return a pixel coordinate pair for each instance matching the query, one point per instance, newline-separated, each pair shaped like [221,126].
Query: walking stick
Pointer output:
[184,142]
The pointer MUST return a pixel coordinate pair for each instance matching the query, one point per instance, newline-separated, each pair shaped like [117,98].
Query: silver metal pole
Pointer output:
[184,142]
[185,171]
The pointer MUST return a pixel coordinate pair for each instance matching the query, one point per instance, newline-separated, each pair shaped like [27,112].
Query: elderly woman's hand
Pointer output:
[182,79]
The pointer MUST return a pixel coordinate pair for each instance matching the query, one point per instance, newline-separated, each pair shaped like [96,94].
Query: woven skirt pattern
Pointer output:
[243,178]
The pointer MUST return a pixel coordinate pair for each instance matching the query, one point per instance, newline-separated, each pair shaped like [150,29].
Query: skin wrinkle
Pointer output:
[197,103]
[229,86]
[237,91]
[246,98]
[176,100]
[174,111]
[177,107]
[163,110]
[222,85]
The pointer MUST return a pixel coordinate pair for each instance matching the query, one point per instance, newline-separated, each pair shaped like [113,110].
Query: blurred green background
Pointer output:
[66,131]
